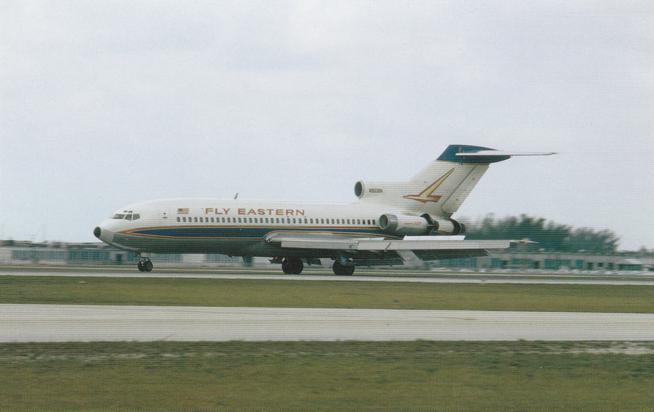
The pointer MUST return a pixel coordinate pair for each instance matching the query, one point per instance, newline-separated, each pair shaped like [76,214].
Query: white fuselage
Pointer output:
[233,227]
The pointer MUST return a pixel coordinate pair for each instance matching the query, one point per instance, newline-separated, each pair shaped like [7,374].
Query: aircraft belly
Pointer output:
[186,245]
[232,247]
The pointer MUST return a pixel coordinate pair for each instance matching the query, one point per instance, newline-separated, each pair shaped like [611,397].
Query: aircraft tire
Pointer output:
[140,267]
[148,266]
[298,266]
[286,267]
[341,270]
[292,266]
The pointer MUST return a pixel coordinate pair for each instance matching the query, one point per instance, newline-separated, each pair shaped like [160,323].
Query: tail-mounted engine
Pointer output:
[443,226]
[401,225]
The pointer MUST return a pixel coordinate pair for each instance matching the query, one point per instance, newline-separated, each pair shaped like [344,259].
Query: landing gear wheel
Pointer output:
[148,266]
[292,266]
[144,265]
[342,270]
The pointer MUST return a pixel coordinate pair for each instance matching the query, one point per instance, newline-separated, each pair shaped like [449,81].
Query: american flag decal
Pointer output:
[182,211]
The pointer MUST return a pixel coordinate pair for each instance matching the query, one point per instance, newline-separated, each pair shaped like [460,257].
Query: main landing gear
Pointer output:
[341,269]
[145,264]
[292,266]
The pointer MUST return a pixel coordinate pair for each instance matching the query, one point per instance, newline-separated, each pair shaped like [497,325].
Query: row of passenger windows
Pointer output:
[277,220]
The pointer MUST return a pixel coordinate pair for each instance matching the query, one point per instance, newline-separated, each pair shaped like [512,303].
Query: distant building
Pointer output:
[516,258]
[550,261]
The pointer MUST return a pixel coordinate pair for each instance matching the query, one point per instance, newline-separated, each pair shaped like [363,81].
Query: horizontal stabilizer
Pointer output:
[481,155]
[484,153]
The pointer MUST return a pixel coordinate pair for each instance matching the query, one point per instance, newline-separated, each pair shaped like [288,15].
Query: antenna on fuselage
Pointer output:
[236,196]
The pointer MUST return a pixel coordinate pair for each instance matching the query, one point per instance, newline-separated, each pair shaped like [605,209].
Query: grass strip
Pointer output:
[276,293]
[327,376]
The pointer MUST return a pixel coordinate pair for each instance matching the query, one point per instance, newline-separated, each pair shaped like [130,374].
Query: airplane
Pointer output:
[390,223]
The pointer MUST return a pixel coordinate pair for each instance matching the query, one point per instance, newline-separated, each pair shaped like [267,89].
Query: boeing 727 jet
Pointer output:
[372,230]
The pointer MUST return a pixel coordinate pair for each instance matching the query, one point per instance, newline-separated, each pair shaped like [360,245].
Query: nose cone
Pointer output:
[104,232]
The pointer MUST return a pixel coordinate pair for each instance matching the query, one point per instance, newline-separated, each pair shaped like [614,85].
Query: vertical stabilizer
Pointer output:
[442,186]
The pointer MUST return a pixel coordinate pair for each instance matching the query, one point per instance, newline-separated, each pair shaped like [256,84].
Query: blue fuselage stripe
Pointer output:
[240,232]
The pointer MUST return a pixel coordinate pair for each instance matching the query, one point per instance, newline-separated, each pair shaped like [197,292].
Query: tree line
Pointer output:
[551,236]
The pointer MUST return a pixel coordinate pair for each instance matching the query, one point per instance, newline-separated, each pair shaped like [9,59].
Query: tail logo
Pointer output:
[427,194]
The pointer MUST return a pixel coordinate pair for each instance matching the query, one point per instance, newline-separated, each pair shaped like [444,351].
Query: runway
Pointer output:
[60,323]
[364,276]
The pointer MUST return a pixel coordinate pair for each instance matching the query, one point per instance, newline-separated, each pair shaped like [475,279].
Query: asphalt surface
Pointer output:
[59,323]
[364,276]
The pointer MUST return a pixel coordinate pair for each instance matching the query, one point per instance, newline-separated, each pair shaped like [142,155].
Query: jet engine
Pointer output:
[376,190]
[444,226]
[401,225]
[404,225]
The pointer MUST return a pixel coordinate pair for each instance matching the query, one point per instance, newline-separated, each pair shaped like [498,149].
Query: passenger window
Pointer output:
[201,220]
[239,220]
[305,220]
[178,219]
[195,219]
[311,220]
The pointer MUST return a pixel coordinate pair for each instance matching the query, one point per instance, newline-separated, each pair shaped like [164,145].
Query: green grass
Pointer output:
[325,376]
[276,293]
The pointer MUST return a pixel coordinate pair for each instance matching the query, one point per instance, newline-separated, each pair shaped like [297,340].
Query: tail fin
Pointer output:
[441,187]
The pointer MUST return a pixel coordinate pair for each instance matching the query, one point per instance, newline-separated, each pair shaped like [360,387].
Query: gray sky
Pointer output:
[108,103]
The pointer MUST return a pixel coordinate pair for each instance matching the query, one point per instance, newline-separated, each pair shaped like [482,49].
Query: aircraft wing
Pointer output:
[380,248]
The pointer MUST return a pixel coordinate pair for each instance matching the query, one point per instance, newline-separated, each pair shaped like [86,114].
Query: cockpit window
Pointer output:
[127,216]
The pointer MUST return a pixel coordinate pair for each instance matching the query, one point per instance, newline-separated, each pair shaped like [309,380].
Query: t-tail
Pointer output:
[438,190]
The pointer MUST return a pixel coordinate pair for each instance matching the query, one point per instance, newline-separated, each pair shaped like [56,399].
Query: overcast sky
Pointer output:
[108,103]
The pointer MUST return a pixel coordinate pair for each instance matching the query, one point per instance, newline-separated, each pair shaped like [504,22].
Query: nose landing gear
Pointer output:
[144,264]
